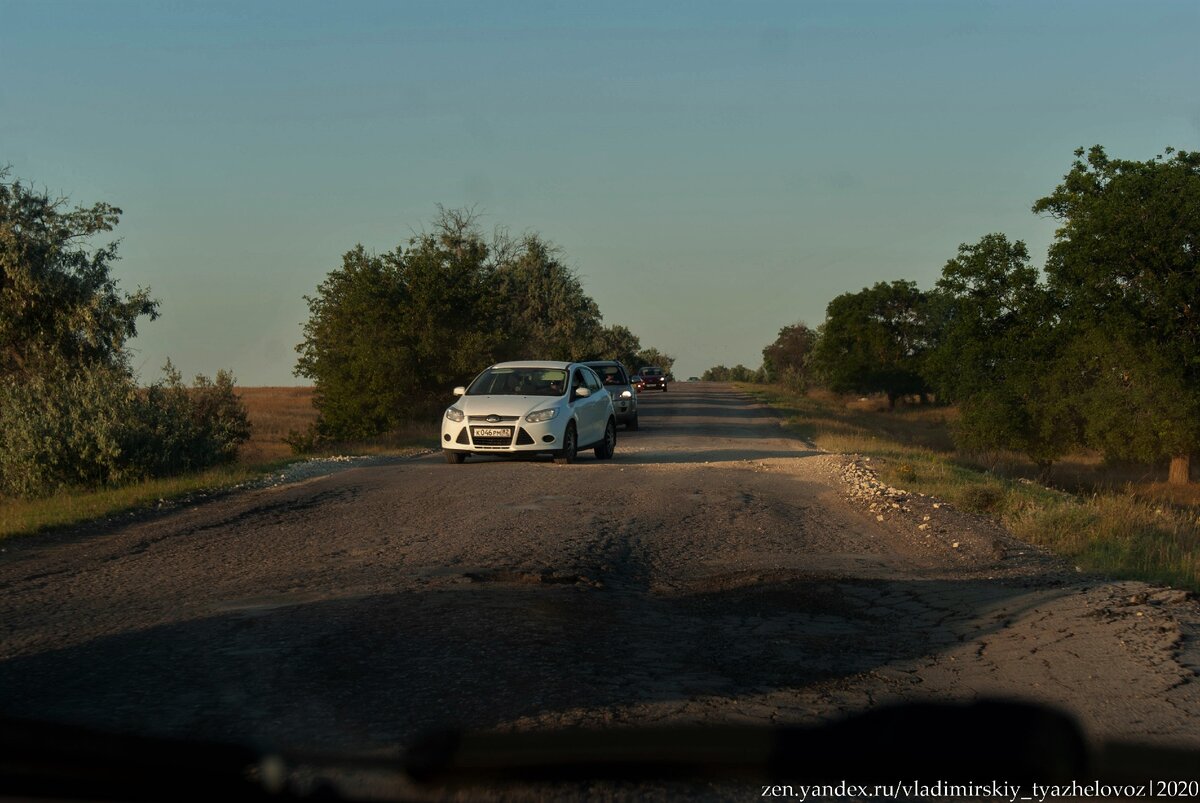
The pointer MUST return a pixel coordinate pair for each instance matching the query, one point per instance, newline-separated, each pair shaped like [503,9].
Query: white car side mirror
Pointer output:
[460,390]
[582,393]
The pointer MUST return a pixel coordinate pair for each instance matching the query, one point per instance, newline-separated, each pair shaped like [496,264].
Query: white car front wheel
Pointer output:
[570,446]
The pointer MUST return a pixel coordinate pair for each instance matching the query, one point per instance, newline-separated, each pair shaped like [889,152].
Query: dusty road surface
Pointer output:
[715,570]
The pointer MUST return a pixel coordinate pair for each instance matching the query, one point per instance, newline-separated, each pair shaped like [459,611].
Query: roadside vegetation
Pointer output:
[272,412]
[1056,398]
[1097,350]
[1118,520]
[73,414]
[390,335]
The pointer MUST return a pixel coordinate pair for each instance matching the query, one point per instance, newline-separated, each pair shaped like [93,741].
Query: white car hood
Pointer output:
[505,405]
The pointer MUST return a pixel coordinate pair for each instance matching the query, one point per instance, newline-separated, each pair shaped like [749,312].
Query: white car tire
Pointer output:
[605,448]
[570,446]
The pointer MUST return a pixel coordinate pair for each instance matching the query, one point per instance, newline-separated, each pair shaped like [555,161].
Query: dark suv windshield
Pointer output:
[519,382]
[610,374]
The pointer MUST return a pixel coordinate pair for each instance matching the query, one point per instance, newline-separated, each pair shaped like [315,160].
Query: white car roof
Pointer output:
[533,364]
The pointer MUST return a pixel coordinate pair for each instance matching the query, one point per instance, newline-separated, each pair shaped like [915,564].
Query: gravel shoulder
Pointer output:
[715,571]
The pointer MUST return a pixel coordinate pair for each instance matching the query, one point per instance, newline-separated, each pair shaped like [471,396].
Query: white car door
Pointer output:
[586,406]
[598,404]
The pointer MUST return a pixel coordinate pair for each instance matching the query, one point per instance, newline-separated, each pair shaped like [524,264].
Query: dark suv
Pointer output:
[654,378]
[620,388]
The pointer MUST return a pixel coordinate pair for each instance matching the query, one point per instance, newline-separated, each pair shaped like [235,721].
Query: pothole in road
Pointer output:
[543,578]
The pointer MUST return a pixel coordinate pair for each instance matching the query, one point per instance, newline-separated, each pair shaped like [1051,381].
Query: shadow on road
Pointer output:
[484,649]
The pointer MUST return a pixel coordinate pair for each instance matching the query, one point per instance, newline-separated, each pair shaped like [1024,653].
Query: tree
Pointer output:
[390,334]
[71,410]
[738,373]
[787,359]
[1125,263]
[59,303]
[618,343]
[997,353]
[873,341]
[546,314]
[652,356]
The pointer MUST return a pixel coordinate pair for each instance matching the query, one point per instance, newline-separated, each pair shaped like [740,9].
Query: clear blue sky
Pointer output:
[713,171]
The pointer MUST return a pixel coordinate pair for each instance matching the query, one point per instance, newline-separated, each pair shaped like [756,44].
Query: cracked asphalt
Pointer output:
[716,570]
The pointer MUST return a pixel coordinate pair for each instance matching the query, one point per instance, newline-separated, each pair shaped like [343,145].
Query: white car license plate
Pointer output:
[493,432]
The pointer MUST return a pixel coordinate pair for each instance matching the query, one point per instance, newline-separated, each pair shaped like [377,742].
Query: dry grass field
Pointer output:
[277,411]
[274,412]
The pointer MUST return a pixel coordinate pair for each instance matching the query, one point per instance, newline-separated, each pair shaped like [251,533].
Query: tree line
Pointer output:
[388,335]
[1100,348]
[72,411]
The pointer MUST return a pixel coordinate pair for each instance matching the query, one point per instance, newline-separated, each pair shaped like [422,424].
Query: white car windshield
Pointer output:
[519,382]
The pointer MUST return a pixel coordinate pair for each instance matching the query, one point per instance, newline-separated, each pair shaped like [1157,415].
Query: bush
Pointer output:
[185,429]
[65,429]
[982,499]
[93,426]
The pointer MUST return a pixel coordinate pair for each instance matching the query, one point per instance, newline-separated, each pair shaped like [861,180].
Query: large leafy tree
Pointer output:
[71,409]
[546,314]
[389,334]
[618,343]
[59,302]
[874,341]
[787,360]
[1125,263]
[998,353]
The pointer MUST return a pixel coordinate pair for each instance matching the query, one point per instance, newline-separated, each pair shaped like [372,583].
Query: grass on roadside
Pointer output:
[274,412]
[1126,532]
[21,516]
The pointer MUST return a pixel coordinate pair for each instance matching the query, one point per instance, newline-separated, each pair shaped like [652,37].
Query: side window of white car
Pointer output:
[593,381]
[577,381]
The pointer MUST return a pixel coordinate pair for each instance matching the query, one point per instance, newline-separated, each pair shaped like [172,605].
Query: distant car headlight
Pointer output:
[538,416]
[626,394]
[455,414]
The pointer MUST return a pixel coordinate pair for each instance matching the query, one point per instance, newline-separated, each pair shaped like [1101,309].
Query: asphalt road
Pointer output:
[713,571]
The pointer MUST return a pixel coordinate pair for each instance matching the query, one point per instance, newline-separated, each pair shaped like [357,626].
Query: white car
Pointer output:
[526,408]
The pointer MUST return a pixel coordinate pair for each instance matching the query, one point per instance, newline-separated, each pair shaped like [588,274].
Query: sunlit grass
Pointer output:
[19,516]
[1142,531]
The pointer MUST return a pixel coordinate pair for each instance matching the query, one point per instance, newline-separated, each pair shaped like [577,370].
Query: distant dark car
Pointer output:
[693,379]
[653,378]
[620,388]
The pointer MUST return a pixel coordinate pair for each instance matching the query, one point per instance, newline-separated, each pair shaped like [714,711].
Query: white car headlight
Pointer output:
[626,394]
[454,414]
[538,416]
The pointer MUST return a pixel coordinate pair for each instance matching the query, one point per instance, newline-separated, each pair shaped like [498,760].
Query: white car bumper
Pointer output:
[484,437]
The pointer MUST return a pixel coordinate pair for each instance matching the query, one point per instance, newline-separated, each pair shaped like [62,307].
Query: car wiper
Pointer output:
[1007,742]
